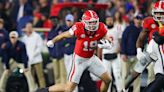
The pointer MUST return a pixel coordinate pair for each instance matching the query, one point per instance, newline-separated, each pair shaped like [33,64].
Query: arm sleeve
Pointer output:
[146,23]
[124,42]
[24,56]
[73,30]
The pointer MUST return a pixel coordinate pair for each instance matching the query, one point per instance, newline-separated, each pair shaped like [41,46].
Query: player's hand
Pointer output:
[105,44]
[50,43]
[140,54]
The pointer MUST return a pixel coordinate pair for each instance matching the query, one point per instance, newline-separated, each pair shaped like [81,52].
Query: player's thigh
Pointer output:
[97,68]
[77,68]
[68,62]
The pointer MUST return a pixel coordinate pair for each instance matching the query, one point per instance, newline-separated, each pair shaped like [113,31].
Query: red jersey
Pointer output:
[84,43]
[151,25]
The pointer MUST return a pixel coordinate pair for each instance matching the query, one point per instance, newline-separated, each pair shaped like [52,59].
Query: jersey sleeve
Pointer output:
[147,23]
[73,30]
[104,30]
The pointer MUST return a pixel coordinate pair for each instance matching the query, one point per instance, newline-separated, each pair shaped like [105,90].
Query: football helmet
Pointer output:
[90,20]
[158,11]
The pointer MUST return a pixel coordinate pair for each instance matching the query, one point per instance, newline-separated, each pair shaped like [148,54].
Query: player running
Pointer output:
[88,32]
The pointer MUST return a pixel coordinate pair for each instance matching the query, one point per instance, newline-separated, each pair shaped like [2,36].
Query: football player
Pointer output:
[156,46]
[88,32]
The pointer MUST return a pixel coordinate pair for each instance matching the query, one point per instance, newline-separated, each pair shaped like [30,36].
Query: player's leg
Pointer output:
[108,66]
[69,87]
[97,68]
[106,81]
[78,67]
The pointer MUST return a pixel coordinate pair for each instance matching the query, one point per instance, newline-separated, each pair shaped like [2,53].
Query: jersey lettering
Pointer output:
[89,46]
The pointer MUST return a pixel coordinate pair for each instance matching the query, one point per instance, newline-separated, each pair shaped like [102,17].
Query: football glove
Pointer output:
[50,43]
[105,44]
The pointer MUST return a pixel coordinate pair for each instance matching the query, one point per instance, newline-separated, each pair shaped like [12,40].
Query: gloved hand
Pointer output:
[105,44]
[50,43]
[139,53]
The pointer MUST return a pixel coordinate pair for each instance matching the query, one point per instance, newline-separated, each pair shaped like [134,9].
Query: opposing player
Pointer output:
[150,25]
[156,46]
[88,33]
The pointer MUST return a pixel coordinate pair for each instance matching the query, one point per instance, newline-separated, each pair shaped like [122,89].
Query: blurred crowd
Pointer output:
[22,46]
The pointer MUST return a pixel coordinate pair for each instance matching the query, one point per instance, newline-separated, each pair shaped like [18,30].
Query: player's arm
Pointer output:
[59,37]
[62,36]
[140,41]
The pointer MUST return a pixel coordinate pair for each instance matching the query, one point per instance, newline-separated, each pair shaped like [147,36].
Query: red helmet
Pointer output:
[91,20]
[158,11]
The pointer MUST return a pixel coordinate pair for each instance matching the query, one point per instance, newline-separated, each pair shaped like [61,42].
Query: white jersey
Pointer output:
[115,35]
[153,47]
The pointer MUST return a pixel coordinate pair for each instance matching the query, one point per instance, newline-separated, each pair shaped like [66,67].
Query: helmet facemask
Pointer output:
[158,11]
[158,15]
[91,25]
[90,20]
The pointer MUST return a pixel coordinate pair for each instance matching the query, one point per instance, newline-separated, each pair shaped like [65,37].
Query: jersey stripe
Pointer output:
[73,69]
